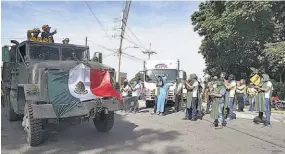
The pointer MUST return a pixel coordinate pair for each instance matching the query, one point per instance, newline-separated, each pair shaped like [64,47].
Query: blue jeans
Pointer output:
[193,110]
[245,99]
[160,105]
[155,103]
[231,107]
[251,101]
[267,109]
[220,111]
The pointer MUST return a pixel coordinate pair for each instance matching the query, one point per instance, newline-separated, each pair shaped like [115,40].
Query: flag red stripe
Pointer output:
[100,84]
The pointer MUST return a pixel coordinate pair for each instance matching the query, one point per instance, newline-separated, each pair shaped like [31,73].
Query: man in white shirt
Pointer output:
[231,87]
[136,89]
[126,88]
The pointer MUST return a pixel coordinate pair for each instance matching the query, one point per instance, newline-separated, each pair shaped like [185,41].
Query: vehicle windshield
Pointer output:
[44,52]
[151,75]
[73,53]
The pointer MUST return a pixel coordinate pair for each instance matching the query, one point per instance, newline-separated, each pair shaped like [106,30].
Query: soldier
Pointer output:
[206,92]
[33,34]
[47,36]
[192,87]
[231,88]
[218,104]
[263,100]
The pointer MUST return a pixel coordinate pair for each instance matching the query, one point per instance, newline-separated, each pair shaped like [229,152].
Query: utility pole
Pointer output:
[149,52]
[86,41]
[125,14]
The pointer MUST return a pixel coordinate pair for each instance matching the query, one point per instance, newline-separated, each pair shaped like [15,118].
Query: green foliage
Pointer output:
[235,34]
[279,90]
[275,58]
[137,76]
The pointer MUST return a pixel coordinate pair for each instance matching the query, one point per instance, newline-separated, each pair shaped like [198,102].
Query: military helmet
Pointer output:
[193,76]
[37,30]
[44,27]
[265,77]
[232,77]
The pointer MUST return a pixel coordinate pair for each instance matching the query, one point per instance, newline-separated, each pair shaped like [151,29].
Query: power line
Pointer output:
[135,36]
[98,21]
[134,43]
[124,54]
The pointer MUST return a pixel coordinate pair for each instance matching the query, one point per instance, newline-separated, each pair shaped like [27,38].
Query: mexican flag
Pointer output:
[68,88]
[85,83]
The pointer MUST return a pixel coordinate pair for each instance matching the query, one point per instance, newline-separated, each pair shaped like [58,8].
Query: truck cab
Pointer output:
[155,68]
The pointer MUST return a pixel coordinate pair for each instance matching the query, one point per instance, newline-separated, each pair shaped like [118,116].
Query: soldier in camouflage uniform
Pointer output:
[263,100]
[192,87]
[218,104]
[33,34]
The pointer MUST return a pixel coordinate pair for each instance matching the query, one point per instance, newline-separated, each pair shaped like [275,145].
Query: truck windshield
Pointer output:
[43,52]
[73,53]
[151,75]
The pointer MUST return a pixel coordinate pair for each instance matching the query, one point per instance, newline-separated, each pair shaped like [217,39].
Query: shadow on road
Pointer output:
[84,138]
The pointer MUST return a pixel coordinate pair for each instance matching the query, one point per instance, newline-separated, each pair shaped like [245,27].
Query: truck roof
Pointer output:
[52,44]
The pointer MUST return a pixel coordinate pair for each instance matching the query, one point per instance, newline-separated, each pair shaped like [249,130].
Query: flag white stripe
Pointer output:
[77,74]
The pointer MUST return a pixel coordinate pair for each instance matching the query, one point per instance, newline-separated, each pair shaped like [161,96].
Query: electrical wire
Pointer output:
[123,54]
[135,36]
[98,21]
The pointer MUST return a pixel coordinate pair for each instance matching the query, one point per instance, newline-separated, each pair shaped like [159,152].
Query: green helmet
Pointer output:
[193,76]
[265,77]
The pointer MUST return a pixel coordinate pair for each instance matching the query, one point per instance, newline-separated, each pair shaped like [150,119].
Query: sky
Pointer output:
[166,25]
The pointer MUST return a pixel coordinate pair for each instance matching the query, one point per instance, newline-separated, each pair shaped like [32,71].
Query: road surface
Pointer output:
[143,133]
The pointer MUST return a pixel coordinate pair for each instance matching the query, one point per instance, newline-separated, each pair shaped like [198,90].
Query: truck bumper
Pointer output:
[46,111]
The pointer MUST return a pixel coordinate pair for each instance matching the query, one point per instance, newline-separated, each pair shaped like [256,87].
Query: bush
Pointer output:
[279,90]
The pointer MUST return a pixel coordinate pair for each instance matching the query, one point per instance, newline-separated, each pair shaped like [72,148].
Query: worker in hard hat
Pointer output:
[47,36]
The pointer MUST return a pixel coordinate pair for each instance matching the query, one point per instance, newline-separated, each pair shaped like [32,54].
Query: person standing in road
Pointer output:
[162,96]
[263,100]
[126,88]
[251,93]
[240,91]
[231,87]
[192,97]
[136,92]
[159,83]
[218,104]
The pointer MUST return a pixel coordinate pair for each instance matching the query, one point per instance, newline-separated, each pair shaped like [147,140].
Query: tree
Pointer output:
[139,75]
[234,34]
[275,58]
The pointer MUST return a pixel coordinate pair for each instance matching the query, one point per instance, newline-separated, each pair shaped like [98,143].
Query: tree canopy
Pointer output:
[240,35]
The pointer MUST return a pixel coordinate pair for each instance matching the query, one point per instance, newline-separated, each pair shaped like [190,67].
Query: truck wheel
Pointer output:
[104,122]
[149,104]
[12,116]
[34,127]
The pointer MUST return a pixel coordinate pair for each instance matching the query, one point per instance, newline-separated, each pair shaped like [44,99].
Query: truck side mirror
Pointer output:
[5,54]
[97,57]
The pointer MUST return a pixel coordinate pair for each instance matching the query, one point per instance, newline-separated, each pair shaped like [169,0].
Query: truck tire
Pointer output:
[149,104]
[12,116]
[35,127]
[104,122]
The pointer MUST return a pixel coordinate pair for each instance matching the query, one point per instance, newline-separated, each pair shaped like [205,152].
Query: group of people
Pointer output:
[46,35]
[224,95]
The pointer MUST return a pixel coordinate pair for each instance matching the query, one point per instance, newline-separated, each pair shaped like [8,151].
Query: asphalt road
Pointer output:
[149,134]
